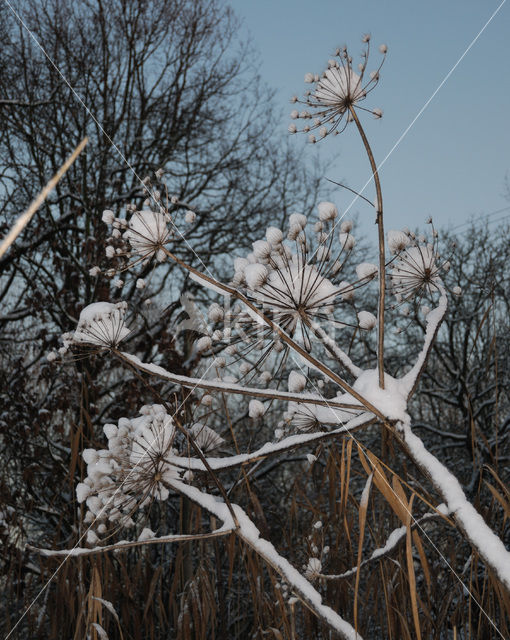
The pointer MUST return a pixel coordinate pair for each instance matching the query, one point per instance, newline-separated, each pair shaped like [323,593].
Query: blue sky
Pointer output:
[453,162]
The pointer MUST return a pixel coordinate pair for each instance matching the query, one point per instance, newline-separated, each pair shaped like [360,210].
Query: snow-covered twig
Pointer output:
[271,448]
[434,319]
[128,544]
[229,387]
[335,350]
[395,537]
[249,533]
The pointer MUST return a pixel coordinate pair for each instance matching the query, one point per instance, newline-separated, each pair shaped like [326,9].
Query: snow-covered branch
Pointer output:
[272,448]
[249,533]
[392,542]
[434,319]
[490,548]
[336,351]
[128,544]
[229,387]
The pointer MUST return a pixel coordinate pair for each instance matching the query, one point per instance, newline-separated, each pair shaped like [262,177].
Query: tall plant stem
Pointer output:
[382,258]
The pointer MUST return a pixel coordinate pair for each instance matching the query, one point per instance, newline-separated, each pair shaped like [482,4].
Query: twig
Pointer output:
[25,217]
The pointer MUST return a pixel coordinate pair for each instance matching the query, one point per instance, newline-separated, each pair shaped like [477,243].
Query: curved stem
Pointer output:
[382,260]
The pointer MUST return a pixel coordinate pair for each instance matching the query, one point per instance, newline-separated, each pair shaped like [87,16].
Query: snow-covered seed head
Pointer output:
[338,89]
[298,219]
[108,216]
[265,377]
[397,241]
[205,437]
[256,276]
[297,382]
[206,400]
[203,344]
[256,409]
[261,249]
[215,313]
[366,320]
[366,271]
[147,234]
[132,470]
[190,217]
[101,324]
[346,290]
[313,569]
[274,236]
[347,241]
[327,211]
[416,272]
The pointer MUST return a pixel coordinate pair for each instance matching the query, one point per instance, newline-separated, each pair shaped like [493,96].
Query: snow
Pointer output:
[397,241]
[248,532]
[487,543]
[297,382]
[126,544]
[231,387]
[327,211]
[256,275]
[261,249]
[197,277]
[434,319]
[347,241]
[294,284]
[270,448]
[203,344]
[256,409]
[390,401]
[205,437]
[298,219]
[366,320]
[190,217]
[147,231]
[274,236]
[101,324]
[366,270]
[336,85]
[335,349]
[108,216]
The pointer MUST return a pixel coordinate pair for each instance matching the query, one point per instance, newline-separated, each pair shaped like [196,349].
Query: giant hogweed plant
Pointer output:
[277,337]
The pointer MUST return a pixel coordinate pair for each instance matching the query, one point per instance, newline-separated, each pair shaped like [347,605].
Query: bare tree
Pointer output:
[284,341]
[160,85]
